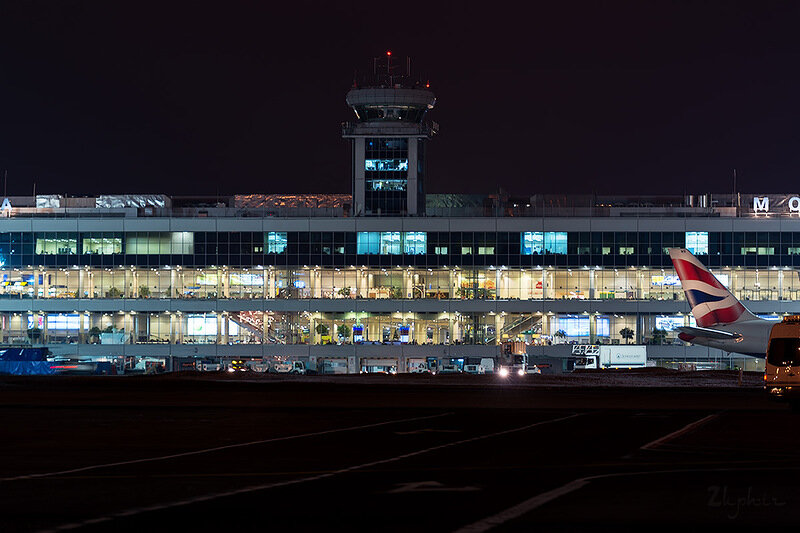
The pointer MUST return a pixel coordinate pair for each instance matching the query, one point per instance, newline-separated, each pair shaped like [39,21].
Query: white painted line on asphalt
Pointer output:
[540,499]
[675,434]
[218,448]
[525,507]
[255,488]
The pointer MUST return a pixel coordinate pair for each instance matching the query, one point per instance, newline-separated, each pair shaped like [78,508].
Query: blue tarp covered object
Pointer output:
[26,368]
[24,354]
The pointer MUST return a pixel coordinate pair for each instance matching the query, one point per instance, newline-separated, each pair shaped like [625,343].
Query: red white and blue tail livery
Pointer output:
[711,302]
[723,322]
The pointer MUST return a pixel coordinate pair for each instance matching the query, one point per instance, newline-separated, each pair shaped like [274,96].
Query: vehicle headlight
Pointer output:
[520,372]
[503,372]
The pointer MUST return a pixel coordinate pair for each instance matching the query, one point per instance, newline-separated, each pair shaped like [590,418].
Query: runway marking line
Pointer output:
[540,499]
[255,488]
[218,448]
[530,504]
[682,431]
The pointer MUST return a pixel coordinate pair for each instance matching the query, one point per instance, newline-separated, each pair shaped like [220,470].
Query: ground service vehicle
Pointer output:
[449,369]
[479,365]
[417,366]
[782,370]
[208,366]
[258,366]
[613,356]
[237,365]
[516,365]
[474,369]
[289,367]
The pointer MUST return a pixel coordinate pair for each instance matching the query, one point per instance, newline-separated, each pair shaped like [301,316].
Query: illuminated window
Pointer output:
[56,244]
[276,242]
[532,242]
[485,250]
[626,250]
[555,242]
[697,242]
[391,243]
[415,242]
[578,326]
[101,244]
[386,165]
[368,242]
[550,242]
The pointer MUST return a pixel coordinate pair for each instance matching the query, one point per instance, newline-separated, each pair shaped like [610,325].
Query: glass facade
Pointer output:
[344,328]
[455,283]
[386,174]
[219,289]
[397,248]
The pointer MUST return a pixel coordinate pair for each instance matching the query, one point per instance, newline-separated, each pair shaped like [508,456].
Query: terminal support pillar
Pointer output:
[591,284]
[173,336]
[82,327]
[270,275]
[499,323]
[179,319]
[545,285]
[361,284]
[224,280]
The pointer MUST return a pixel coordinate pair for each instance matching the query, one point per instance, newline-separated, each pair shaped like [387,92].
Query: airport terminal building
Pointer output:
[386,276]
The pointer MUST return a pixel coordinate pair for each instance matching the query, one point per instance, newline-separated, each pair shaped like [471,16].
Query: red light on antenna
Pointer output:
[388,52]
[427,85]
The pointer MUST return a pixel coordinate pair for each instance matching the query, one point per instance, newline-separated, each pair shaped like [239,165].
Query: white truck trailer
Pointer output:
[609,356]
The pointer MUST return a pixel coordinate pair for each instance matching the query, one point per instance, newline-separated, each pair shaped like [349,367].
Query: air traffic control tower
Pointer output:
[388,140]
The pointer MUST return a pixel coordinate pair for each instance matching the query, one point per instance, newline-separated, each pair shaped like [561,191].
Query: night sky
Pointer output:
[232,97]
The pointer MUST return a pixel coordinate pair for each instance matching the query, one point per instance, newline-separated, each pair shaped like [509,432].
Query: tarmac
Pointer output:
[626,451]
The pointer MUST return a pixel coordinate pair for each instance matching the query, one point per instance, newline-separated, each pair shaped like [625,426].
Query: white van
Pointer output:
[782,371]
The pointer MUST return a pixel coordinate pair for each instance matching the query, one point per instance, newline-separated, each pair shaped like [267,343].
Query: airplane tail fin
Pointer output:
[712,304]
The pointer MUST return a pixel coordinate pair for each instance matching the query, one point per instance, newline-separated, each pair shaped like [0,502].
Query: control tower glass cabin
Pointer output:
[388,141]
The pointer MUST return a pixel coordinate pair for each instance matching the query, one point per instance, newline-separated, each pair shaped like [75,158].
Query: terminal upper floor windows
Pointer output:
[697,242]
[441,247]
[101,243]
[276,242]
[57,243]
[391,242]
[154,243]
[549,242]
[415,243]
